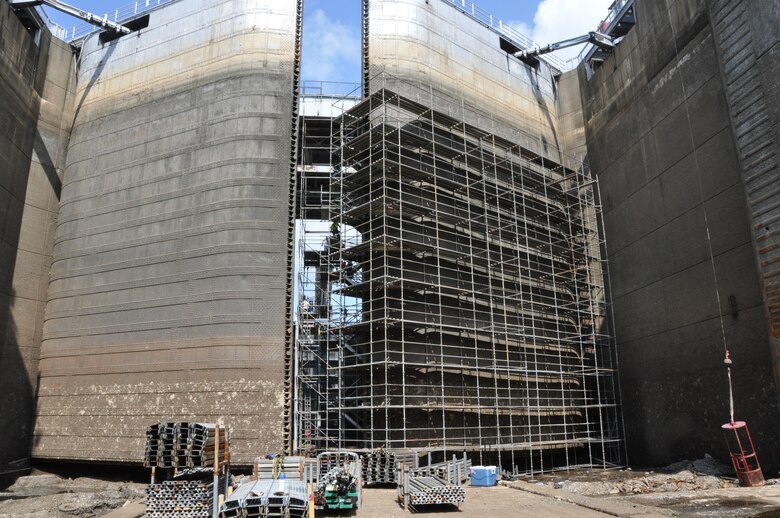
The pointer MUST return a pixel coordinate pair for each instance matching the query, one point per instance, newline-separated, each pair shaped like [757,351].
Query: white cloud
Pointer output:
[331,49]
[558,20]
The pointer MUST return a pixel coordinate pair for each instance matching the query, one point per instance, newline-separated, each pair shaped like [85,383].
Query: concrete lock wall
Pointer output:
[570,117]
[430,45]
[661,140]
[749,54]
[169,289]
[37,82]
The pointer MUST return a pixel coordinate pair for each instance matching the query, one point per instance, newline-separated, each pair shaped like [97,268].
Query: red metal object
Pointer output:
[743,454]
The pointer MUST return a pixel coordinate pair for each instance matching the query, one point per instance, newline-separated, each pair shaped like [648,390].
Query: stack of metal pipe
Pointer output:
[267,499]
[433,490]
[180,445]
[179,499]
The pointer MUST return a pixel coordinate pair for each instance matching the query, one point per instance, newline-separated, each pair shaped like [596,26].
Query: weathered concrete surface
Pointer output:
[587,504]
[571,125]
[660,138]
[168,290]
[726,502]
[428,45]
[44,494]
[749,54]
[36,86]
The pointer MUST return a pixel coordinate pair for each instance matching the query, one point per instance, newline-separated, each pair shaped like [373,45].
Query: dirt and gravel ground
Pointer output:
[481,502]
[689,489]
[48,495]
[702,488]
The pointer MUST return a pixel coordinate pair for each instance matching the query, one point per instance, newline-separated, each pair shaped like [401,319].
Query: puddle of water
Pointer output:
[738,502]
[721,507]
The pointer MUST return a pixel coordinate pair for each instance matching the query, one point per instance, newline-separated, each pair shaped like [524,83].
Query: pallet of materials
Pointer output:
[177,445]
[295,468]
[192,462]
[456,471]
[420,490]
[189,496]
[266,499]
[380,465]
[338,488]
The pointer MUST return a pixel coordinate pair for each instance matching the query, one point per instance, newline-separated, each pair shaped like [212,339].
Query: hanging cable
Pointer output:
[727,361]
[701,196]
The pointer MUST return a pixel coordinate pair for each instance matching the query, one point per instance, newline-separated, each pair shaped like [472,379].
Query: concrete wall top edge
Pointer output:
[437,46]
[185,37]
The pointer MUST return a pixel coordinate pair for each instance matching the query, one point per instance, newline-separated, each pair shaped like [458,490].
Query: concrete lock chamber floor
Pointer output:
[453,298]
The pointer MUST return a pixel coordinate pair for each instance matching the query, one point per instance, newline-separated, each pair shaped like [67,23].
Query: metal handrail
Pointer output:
[471,10]
[119,15]
[605,25]
[614,11]
[339,89]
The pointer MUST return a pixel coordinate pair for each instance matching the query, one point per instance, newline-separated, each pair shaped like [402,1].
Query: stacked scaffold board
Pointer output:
[181,445]
[266,499]
[380,466]
[185,453]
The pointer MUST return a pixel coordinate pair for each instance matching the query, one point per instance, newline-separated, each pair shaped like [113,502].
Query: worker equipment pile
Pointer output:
[342,477]
[337,489]
[333,459]
[267,499]
[180,445]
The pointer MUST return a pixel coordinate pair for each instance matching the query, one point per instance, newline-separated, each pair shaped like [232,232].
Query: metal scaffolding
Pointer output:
[317,309]
[455,298]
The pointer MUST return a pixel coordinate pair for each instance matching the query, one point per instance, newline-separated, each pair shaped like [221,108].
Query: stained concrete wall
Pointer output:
[431,46]
[661,140]
[571,125]
[36,87]
[749,54]
[168,291]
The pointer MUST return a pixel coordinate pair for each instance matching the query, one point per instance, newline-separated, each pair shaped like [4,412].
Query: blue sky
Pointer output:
[331,46]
